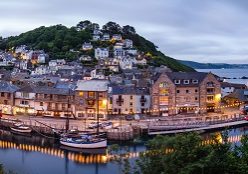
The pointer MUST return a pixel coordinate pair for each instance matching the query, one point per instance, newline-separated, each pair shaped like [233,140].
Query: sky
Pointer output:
[199,30]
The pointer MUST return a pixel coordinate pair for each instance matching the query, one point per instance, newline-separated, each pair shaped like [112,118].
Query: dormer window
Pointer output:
[195,81]
[177,81]
[186,81]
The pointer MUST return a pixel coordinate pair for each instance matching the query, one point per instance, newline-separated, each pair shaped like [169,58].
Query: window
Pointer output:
[162,84]
[210,98]
[91,94]
[5,102]
[187,91]
[177,81]
[186,81]
[178,91]
[81,93]
[23,102]
[194,81]
[131,110]
[142,104]
[41,103]
[69,105]
[131,104]
[210,90]
[8,95]
[196,90]
[196,98]
[2,94]
[131,97]
[25,95]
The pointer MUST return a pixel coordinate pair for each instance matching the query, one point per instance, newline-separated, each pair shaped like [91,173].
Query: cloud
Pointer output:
[211,30]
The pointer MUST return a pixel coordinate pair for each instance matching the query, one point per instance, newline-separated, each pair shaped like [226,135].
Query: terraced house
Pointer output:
[184,93]
[7,96]
[91,97]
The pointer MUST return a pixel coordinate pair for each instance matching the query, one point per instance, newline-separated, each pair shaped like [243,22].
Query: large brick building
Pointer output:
[179,92]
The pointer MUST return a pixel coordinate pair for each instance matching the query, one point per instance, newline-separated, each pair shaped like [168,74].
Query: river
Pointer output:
[234,74]
[39,155]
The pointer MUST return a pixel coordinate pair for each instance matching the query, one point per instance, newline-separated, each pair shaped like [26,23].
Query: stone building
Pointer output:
[182,93]
[91,97]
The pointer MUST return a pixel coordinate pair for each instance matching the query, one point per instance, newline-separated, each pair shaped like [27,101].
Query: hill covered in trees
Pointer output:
[61,42]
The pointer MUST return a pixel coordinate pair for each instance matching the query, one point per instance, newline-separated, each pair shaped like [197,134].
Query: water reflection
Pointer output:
[49,147]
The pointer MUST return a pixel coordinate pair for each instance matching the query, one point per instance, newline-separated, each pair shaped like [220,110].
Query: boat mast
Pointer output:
[67,117]
[97,112]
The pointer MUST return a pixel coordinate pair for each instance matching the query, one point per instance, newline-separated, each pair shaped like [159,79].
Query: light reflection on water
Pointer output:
[40,155]
[28,155]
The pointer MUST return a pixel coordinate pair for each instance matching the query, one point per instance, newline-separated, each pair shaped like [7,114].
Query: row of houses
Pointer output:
[170,93]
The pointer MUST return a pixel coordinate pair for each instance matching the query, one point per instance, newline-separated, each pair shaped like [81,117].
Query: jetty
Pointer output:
[202,128]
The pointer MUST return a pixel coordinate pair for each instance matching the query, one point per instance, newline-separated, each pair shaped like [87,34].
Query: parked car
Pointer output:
[106,125]
[244,110]
[94,125]
[246,118]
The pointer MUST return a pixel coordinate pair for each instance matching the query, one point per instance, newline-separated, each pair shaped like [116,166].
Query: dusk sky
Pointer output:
[199,30]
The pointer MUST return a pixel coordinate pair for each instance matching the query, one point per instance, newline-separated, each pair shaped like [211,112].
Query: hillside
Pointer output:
[197,65]
[58,40]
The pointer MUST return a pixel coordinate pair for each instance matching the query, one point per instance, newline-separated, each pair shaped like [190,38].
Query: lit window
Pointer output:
[81,94]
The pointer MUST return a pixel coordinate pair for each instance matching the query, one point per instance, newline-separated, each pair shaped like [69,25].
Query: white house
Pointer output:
[24,101]
[119,52]
[140,61]
[95,74]
[57,62]
[117,37]
[101,53]
[42,70]
[128,43]
[20,49]
[126,63]
[105,37]
[96,37]
[133,52]
[87,46]
[27,55]
[6,60]
[228,88]
[42,58]
[85,58]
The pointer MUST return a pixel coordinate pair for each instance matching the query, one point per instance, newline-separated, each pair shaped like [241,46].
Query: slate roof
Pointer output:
[92,85]
[129,90]
[199,76]
[234,85]
[7,87]
[239,94]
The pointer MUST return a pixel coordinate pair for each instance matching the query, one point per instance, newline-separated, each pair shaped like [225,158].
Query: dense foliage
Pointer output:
[189,156]
[58,41]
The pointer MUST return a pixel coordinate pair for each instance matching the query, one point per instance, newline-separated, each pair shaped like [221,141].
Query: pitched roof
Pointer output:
[234,85]
[199,76]
[239,94]
[92,85]
[7,87]
[129,90]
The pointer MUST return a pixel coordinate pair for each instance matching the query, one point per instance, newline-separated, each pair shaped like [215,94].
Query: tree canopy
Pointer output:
[59,42]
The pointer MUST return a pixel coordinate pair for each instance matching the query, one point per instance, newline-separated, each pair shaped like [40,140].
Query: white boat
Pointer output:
[19,127]
[84,143]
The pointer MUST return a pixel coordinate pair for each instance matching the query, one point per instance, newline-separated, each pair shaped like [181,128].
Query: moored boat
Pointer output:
[84,143]
[21,128]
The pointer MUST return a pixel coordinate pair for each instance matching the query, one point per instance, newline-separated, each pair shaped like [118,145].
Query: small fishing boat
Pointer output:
[84,142]
[21,128]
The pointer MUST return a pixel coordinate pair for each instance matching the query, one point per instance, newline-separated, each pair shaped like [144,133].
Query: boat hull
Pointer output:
[21,130]
[95,145]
